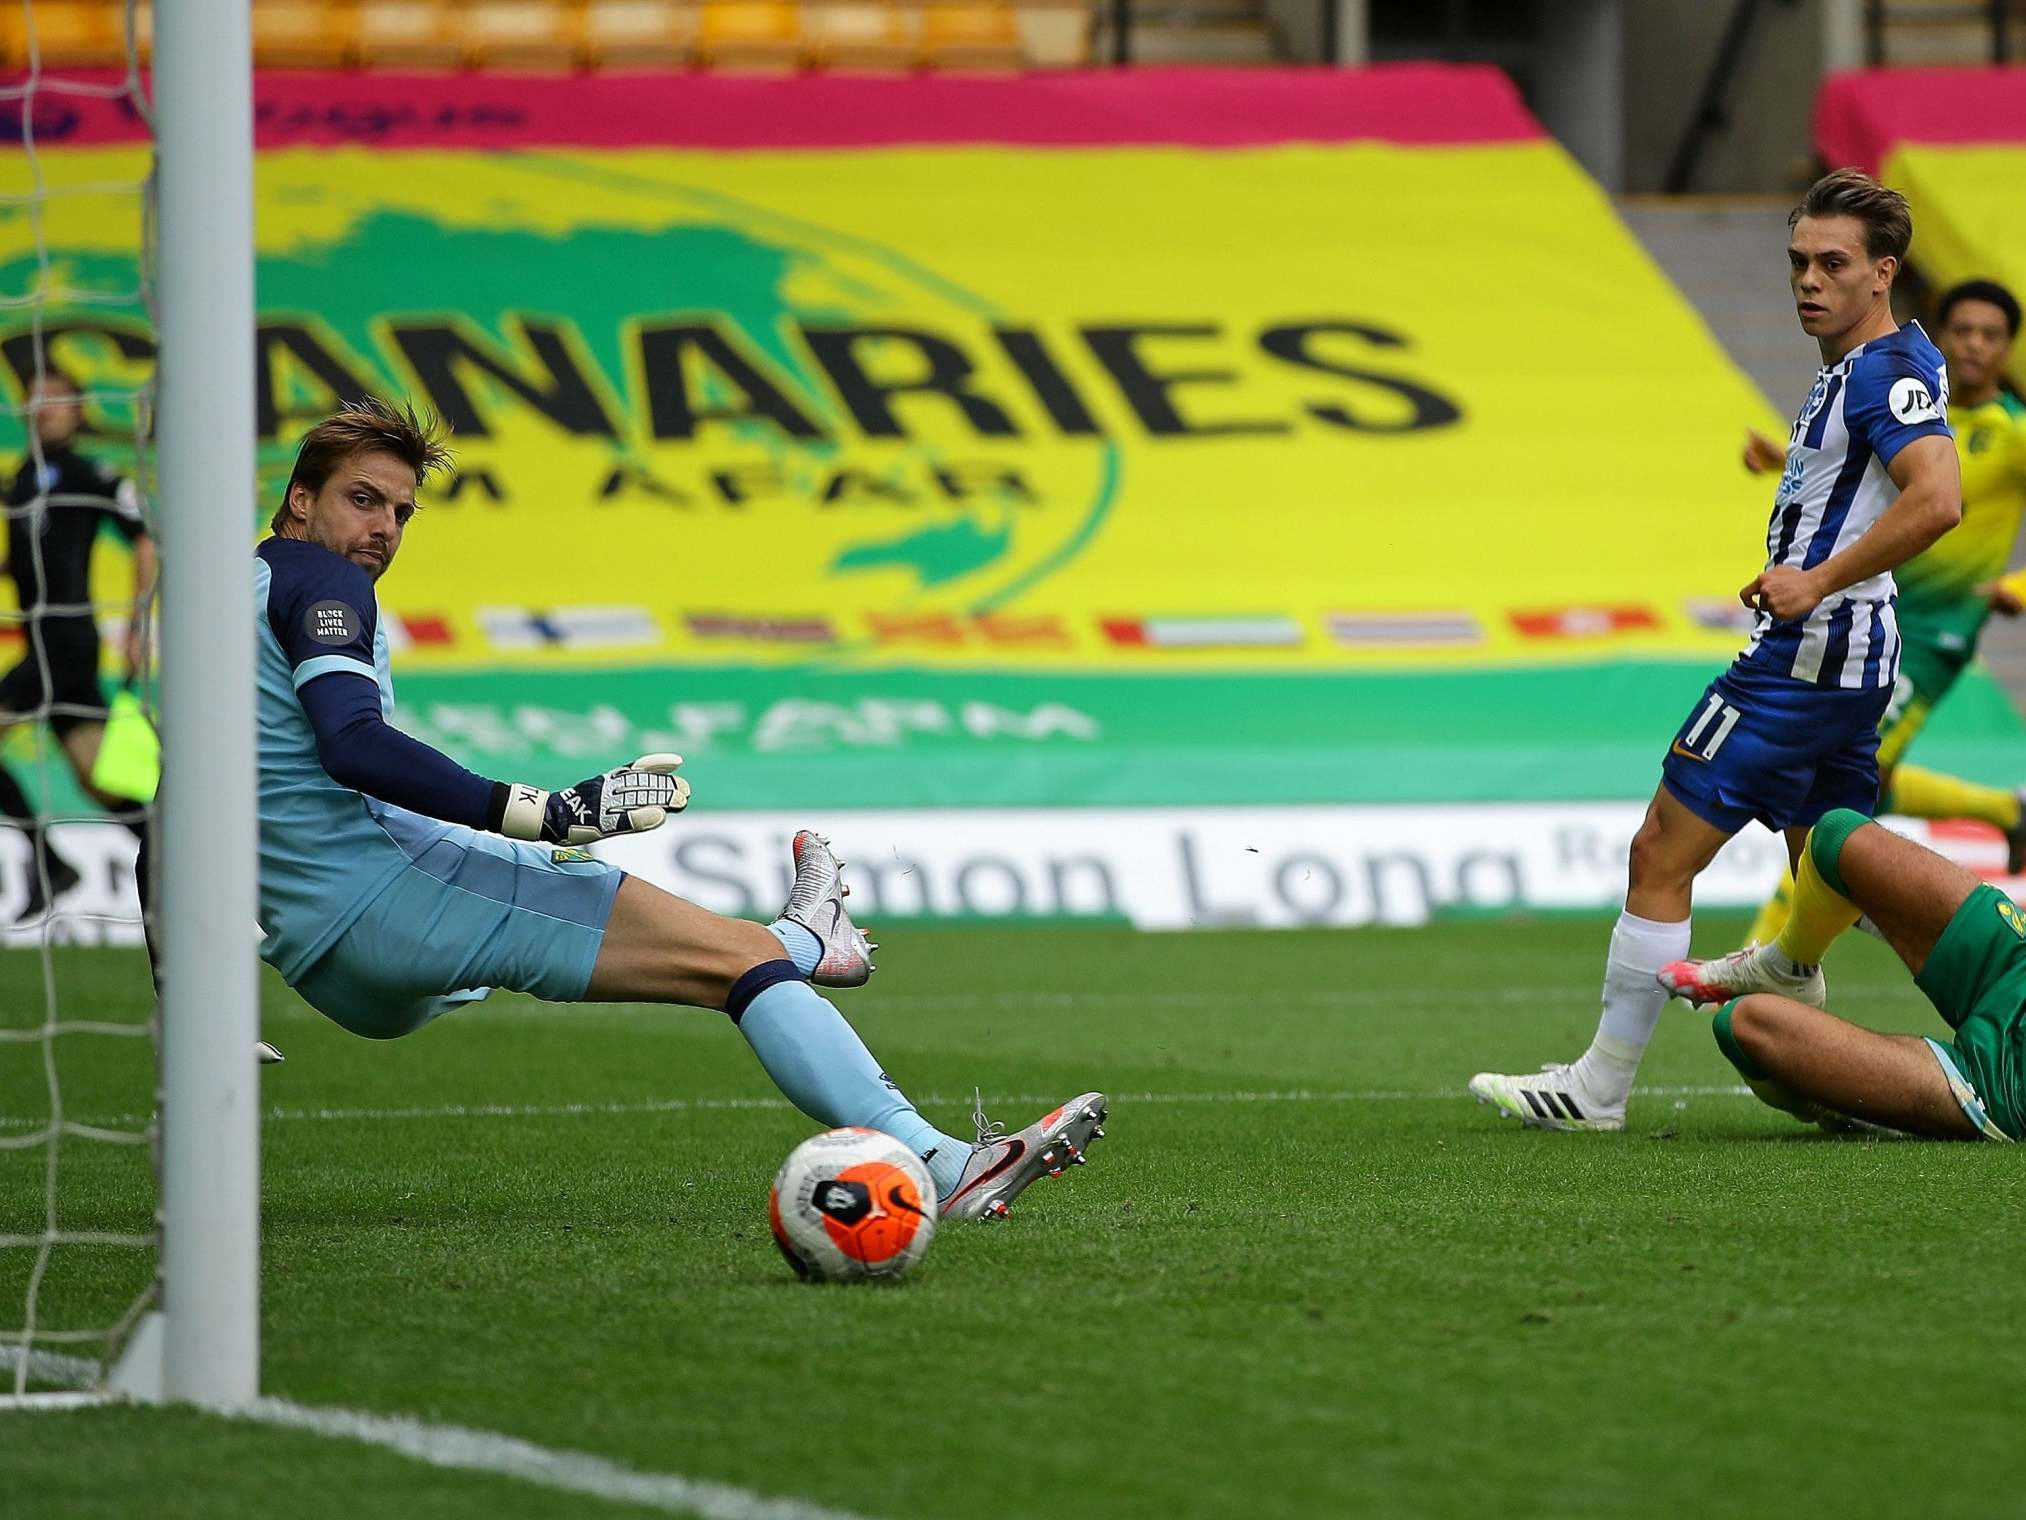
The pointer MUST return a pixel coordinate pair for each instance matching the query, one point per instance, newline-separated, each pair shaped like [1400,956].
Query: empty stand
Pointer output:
[971,35]
[751,36]
[69,34]
[1056,34]
[305,34]
[640,34]
[523,34]
[410,34]
[861,36]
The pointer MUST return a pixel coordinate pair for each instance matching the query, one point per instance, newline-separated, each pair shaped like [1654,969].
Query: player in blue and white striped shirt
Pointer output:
[1790,731]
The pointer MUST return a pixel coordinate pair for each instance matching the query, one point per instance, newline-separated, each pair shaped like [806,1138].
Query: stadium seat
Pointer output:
[972,35]
[750,36]
[523,34]
[305,34]
[410,34]
[69,34]
[861,36]
[639,34]
[1055,34]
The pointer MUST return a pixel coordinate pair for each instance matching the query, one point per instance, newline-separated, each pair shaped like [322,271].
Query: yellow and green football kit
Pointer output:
[1940,611]
[1975,976]
[1940,617]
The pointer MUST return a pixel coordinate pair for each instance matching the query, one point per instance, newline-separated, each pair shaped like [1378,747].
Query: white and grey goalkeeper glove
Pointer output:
[626,800]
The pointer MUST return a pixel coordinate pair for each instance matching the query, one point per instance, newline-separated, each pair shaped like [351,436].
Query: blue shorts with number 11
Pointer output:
[1759,744]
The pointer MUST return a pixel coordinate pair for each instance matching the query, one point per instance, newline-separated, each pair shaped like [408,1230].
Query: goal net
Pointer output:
[127,1140]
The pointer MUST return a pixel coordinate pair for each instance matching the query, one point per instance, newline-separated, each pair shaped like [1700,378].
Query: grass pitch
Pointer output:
[1303,1275]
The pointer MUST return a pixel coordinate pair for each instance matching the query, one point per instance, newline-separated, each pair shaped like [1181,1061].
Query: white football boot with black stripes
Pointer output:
[1552,1098]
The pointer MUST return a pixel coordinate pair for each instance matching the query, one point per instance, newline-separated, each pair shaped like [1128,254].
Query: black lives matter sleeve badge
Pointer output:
[332,623]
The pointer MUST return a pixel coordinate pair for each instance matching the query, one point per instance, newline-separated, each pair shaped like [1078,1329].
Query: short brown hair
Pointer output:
[1888,220]
[366,424]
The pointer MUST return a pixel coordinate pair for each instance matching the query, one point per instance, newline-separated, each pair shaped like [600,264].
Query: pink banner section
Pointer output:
[1862,116]
[1198,108]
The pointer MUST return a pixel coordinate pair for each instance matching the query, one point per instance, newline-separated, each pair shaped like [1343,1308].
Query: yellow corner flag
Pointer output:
[129,762]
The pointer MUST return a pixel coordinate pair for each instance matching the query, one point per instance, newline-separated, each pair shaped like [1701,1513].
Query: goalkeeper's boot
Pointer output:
[816,902]
[1756,968]
[1002,1165]
[1552,1098]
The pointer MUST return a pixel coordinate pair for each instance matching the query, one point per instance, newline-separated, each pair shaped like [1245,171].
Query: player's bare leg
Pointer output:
[1671,849]
[660,949]
[1884,1079]
[1804,1066]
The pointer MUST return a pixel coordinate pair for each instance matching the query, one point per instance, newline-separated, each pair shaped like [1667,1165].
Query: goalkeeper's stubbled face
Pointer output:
[361,511]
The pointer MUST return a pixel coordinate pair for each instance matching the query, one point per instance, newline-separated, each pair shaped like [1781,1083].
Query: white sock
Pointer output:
[1633,1002]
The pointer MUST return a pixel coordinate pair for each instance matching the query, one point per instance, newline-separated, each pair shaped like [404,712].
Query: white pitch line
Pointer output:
[723,1105]
[484,1451]
[574,1472]
[50,1367]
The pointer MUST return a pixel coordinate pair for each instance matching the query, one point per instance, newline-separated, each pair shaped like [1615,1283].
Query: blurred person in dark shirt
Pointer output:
[59,502]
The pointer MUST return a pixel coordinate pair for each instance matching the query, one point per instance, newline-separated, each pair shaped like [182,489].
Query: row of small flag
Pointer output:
[590,628]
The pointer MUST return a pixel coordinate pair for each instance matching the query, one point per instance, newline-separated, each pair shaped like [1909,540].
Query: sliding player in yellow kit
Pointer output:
[1948,590]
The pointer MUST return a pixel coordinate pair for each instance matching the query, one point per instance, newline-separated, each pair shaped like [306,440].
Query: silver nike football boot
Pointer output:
[1002,1165]
[816,902]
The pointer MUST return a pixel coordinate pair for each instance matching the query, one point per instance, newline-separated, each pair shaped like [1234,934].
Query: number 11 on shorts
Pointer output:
[1716,705]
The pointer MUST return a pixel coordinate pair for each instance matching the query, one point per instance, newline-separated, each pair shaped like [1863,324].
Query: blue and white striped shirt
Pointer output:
[1863,410]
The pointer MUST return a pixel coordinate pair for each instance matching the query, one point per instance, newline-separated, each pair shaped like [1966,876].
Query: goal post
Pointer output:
[208,864]
[191,1335]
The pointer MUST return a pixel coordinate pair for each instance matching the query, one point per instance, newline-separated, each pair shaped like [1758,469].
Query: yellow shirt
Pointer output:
[1938,587]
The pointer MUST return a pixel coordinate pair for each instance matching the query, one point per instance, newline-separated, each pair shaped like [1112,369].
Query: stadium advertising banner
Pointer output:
[1954,141]
[1151,440]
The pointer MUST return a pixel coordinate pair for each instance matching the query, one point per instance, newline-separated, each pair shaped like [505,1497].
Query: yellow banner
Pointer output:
[1303,407]
[1969,217]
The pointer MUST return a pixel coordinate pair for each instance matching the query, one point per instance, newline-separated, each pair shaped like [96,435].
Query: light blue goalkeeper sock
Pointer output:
[824,1069]
[803,948]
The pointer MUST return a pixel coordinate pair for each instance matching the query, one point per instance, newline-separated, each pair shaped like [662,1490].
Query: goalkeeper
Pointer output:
[1963,940]
[396,886]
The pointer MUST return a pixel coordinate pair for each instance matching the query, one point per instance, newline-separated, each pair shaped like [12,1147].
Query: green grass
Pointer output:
[1343,1304]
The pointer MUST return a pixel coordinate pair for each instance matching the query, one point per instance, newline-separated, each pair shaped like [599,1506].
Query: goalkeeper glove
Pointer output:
[626,800]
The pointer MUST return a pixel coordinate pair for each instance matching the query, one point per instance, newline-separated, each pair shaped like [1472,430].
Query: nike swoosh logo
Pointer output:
[902,1201]
[1015,1149]
[1686,754]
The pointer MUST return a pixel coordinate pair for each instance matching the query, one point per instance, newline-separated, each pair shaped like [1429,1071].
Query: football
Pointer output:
[851,1204]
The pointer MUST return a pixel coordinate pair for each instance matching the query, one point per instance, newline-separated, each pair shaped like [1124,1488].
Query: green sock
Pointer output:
[1728,1044]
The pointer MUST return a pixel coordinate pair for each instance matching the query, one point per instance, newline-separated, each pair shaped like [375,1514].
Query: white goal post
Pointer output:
[207,894]
[200,1342]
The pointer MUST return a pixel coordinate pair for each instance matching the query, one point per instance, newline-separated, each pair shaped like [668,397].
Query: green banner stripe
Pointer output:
[799,738]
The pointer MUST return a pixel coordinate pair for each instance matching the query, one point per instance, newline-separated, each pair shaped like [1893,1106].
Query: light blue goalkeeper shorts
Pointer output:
[471,912]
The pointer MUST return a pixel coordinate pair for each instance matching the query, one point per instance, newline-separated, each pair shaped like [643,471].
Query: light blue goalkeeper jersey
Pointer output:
[326,851]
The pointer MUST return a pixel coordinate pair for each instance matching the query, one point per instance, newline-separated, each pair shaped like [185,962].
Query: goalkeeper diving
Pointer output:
[396,886]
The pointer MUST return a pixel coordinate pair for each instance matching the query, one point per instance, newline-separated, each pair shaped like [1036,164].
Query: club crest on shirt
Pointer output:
[1818,397]
[331,623]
